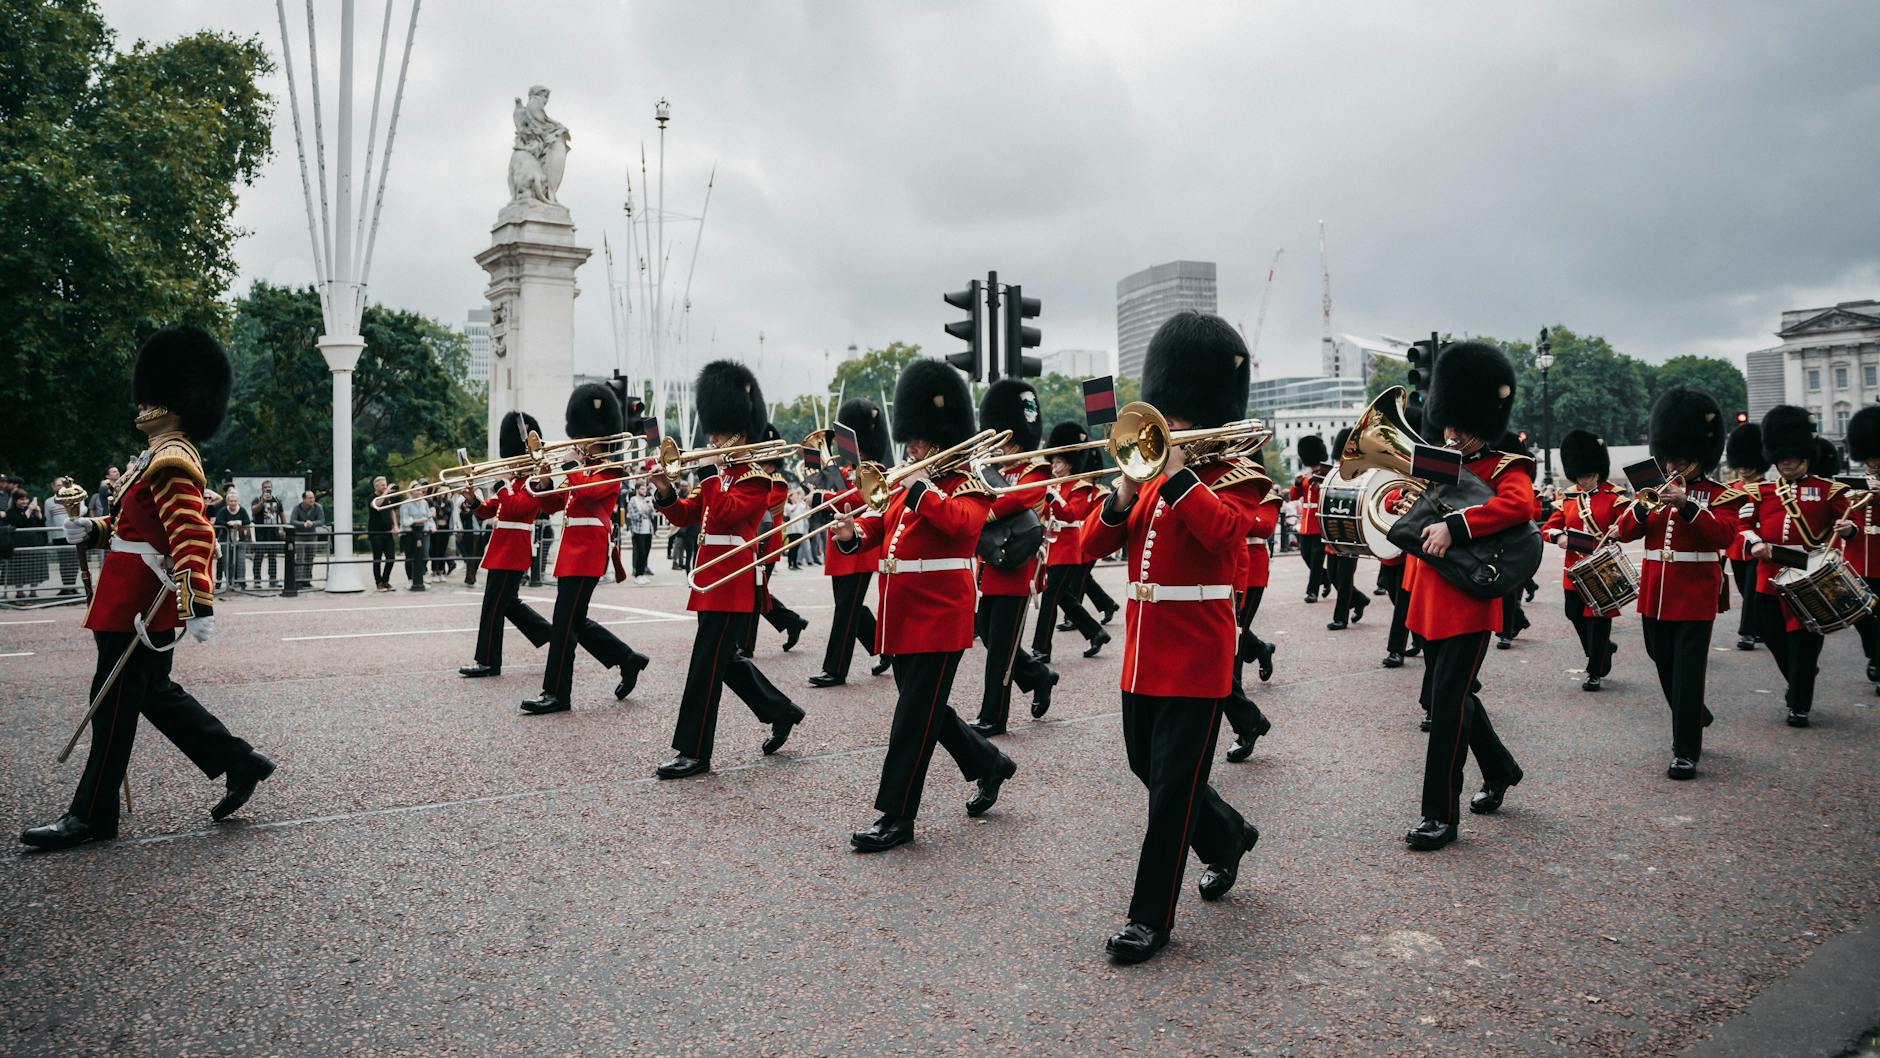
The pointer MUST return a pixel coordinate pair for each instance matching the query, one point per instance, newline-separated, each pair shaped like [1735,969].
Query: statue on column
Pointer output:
[540,153]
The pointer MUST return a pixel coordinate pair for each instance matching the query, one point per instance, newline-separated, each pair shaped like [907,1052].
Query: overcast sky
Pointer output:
[1669,175]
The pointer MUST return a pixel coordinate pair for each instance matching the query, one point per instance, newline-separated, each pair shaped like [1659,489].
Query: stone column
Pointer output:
[531,262]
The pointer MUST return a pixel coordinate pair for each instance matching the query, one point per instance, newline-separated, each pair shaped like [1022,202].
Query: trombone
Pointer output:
[538,452]
[875,485]
[1140,442]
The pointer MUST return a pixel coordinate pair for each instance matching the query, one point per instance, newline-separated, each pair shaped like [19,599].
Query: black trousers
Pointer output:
[1459,726]
[854,623]
[1868,627]
[1312,549]
[1093,592]
[1399,637]
[1240,711]
[384,559]
[440,552]
[1063,587]
[1595,633]
[500,605]
[414,556]
[1513,615]
[1743,571]
[1797,653]
[1681,650]
[1340,571]
[572,625]
[773,611]
[717,663]
[923,719]
[642,549]
[1170,745]
[144,687]
[1002,629]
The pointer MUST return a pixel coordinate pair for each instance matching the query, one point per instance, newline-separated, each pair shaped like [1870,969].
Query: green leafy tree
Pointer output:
[118,181]
[413,402]
[1718,377]
[1593,387]
[874,373]
[797,419]
[1385,373]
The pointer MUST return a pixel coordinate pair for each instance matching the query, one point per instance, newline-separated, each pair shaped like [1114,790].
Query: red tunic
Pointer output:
[1018,581]
[1745,514]
[1439,609]
[1863,548]
[727,508]
[1185,534]
[586,536]
[839,563]
[927,610]
[1305,489]
[1820,503]
[1070,508]
[1591,513]
[1682,576]
[512,535]
[157,507]
[1254,568]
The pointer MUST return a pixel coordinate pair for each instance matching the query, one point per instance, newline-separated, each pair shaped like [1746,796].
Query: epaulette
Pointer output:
[1036,464]
[1730,494]
[970,485]
[1240,471]
[1835,488]
[1510,459]
[174,455]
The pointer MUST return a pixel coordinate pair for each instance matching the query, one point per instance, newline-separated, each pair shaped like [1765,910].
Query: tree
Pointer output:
[413,401]
[1718,377]
[1385,373]
[1061,398]
[1593,387]
[874,373]
[120,172]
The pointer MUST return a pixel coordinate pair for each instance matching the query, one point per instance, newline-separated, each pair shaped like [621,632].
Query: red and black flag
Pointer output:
[1440,465]
[1645,474]
[1099,401]
[848,445]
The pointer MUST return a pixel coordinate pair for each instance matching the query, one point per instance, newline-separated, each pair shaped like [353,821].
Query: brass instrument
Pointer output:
[875,485]
[1139,443]
[1649,496]
[1382,440]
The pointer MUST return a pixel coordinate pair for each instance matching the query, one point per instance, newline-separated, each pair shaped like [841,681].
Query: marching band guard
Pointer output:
[774,612]
[1471,396]
[1744,454]
[1251,572]
[1685,534]
[593,411]
[1341,572]
[1514,618]
[1305,489]
[511,511]
[928,533]
[1180,628]
[1068,507]
[727,508]
[850,572]
[1005,595]
[1591,507]
[1798,509]
[161,547]
[1863,550]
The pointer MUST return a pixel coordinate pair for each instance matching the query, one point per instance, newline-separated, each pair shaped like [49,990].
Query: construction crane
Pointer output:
[1259,321]
[1328,346]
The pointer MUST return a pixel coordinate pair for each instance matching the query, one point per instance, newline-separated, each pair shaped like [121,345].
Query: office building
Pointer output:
[1270,396]
[1078,363]
[476,335]
[1147,298]
[1828,362]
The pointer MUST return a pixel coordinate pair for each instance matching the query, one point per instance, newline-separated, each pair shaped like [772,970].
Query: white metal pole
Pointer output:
[342,349]
[661,320]
[300,140]
[391,134]
[372,139]
[319,149]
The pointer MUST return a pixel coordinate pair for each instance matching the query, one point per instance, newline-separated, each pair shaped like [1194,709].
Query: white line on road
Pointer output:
[458,631]
[22,654]
[47,621]
[353,609]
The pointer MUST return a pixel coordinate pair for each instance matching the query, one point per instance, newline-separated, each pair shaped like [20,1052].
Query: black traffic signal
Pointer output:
[1422,360]
[968,329]
[1742,417]
[1018,337]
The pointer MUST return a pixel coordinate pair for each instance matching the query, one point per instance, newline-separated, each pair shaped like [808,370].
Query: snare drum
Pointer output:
[1354,513]
[1606,579]
[1826,596]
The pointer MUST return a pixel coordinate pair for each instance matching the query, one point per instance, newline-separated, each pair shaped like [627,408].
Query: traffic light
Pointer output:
[1422,359]
[1018,337]
[1742,417]
[967,329]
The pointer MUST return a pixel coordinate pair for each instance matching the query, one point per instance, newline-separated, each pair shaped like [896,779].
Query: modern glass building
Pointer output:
[476,335]
[1152,295]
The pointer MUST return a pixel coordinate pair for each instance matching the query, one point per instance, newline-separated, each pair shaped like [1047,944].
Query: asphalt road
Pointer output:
[432,872]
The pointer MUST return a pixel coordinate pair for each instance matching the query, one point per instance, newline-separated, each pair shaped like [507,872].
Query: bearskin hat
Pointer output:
[1338,445]
[1788,432]
[1826,462]
[184,369]
[771,433]
[512,434]
[1687,427]
[1744,449]
[1510,443]
[1581,452]
[1072,432]
[593,411]
[932,404]
[871,428]
[1197,369]
[1471,391]
[730,401]
[1012,404]
[1311,450]
[1863,434]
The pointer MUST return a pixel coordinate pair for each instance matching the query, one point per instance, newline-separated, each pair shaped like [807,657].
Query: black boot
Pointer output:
[885,833]
[1219,877]
[1096,643]
[243,776]
[988,794]
[630,675]
[478,669]
[545,703]
[1136,942]
[682,766]
[1041,696]
[68,832]
[1490,798]
[1430,835]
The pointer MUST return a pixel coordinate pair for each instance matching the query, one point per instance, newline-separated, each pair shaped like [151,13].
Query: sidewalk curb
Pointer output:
[1828,1007]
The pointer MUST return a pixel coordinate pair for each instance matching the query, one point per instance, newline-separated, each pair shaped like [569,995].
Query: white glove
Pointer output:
[77,530]
[200,628]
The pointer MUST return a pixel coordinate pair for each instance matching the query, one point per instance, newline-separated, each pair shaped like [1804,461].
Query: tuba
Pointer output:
[1372,486]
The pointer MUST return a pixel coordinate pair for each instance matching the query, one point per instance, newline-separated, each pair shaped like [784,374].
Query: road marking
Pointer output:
[353,609]
[22,654]
[459,631]
[47,621]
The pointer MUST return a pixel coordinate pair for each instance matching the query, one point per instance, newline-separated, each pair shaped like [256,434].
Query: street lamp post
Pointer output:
[1544,359]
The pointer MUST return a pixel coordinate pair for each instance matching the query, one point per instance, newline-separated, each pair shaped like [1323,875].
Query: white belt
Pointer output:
[1142,592]
[1078,524]
[922,565]
[722,539]
[528,527]
[1256,541]
[158,562]
[596,522]
[1682,556]
[1308,506]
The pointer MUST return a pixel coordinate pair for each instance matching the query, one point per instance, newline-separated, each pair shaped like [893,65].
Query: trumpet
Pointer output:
[875,485]
[1649,497]
[1139,444]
